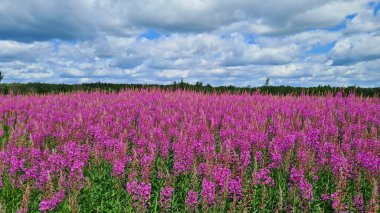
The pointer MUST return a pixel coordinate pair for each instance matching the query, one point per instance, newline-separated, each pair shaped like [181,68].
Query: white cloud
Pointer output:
[361,47]
[254,54]
[310,38]
[12,50]
[364,22]
[200,40]
[40,20]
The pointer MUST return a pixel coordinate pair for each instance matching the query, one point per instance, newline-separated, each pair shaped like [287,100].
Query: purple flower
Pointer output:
[245,158]
[132,187]
[359,202]
[296,176]
[140,193]
[338,164]
[297,181]
[50,204]
[203,169]
[306,190]
[179,167]
[144,191]
[276,160]
[336,200]
[192,200]
[235,188]
[166,197]
[118,168]
[258,156]
[221,175]
[262,178]
[208,192]
[325,197]
[369,161]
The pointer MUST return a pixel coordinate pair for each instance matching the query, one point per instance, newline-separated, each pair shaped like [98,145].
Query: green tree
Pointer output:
[1,76]
[266,82]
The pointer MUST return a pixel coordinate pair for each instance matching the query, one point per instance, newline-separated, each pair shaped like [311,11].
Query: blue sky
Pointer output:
[238,42]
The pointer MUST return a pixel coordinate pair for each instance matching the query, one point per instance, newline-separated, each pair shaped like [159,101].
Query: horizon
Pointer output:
[241,43]
[193,84]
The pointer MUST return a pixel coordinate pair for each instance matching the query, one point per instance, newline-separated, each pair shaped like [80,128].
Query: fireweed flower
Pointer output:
[297,181]
[166,197]
[50,204]
[306,190]
[258,156]
[276,160]
[208,192]
[192,200]
[140,193]
[203,169]
[146,164]
[144,191]
[337,203]
[262,178]
[119,167]
[235,188]
[359,202]
[221,176]
[325,197]
[296,176]
[132,187]
[369,161]
[245,159]
[338,163]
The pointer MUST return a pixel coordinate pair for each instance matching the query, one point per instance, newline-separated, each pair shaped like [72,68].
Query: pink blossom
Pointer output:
[208,192]
[50,204]
[235,188]
[166,197]
[192,199]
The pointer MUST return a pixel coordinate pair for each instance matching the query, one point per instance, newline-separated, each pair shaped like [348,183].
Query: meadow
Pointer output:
[184,151]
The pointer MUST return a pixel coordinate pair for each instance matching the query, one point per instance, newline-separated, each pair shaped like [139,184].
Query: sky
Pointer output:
[229,42]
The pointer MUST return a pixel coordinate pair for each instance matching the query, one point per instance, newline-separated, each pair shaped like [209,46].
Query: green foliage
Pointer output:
[104,193]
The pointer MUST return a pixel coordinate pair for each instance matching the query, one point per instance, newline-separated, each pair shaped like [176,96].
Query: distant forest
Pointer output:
[42,88]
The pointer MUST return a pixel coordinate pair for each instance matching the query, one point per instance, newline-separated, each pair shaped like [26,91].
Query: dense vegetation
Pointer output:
[41,88]
[162,151]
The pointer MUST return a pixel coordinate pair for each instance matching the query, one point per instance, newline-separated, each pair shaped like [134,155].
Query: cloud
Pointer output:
[197,57]
[37,20]
[238,42]
[12,50]
[362,47]
[365,22]
[254,54]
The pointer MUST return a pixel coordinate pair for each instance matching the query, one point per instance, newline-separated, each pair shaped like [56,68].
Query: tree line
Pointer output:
[43,88]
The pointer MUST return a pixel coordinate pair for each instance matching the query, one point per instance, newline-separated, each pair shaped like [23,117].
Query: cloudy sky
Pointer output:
[239,42]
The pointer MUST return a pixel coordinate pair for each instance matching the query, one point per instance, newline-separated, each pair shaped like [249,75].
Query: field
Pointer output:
[176,151]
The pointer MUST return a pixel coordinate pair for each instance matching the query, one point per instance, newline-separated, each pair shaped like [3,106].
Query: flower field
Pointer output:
[183,151]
